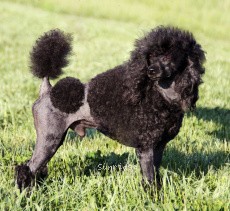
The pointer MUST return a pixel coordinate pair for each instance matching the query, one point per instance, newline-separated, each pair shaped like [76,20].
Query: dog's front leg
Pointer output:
[157,158]
[150,160]
[145,157]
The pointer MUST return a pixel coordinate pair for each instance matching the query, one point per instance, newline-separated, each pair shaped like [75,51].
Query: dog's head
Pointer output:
[169,59]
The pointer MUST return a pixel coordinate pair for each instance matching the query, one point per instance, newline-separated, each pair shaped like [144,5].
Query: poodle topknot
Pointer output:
[140,103]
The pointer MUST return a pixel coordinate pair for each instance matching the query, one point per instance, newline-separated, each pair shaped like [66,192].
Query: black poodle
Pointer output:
[140,103]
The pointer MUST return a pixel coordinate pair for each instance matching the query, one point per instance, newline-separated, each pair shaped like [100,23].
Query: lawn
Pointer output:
[97,173]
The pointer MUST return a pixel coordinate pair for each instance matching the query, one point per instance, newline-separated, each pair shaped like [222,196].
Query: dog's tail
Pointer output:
[49,54]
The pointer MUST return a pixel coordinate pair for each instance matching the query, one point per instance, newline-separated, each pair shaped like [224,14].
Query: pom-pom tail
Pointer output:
[50,54]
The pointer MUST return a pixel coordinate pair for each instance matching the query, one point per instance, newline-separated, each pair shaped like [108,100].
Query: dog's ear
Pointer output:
[135,79]
[195,61]
[197,57]
[190,79]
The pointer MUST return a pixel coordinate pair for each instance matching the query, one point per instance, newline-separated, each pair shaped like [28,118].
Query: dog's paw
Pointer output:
[24,177]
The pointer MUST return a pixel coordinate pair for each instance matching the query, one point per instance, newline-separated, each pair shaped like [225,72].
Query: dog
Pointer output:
[140,103]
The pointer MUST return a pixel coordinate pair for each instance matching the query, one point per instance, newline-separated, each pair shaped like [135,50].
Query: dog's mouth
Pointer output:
[167,83]
[169,93]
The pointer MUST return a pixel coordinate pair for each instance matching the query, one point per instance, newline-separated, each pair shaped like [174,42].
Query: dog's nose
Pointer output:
[168,75]
[151,68]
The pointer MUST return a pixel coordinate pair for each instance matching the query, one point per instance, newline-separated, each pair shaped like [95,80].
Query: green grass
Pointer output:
[195,168]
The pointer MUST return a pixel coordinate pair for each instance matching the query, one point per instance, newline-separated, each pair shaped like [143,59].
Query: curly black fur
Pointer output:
[141,103]
[49,55]
[67,95]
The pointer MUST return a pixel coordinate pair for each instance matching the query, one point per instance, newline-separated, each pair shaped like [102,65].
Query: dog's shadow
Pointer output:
[201,162]
[198,162]
[174,160]
[95,162]
[217,115]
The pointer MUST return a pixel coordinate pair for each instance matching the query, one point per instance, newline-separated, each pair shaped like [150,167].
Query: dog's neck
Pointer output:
[167,90]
